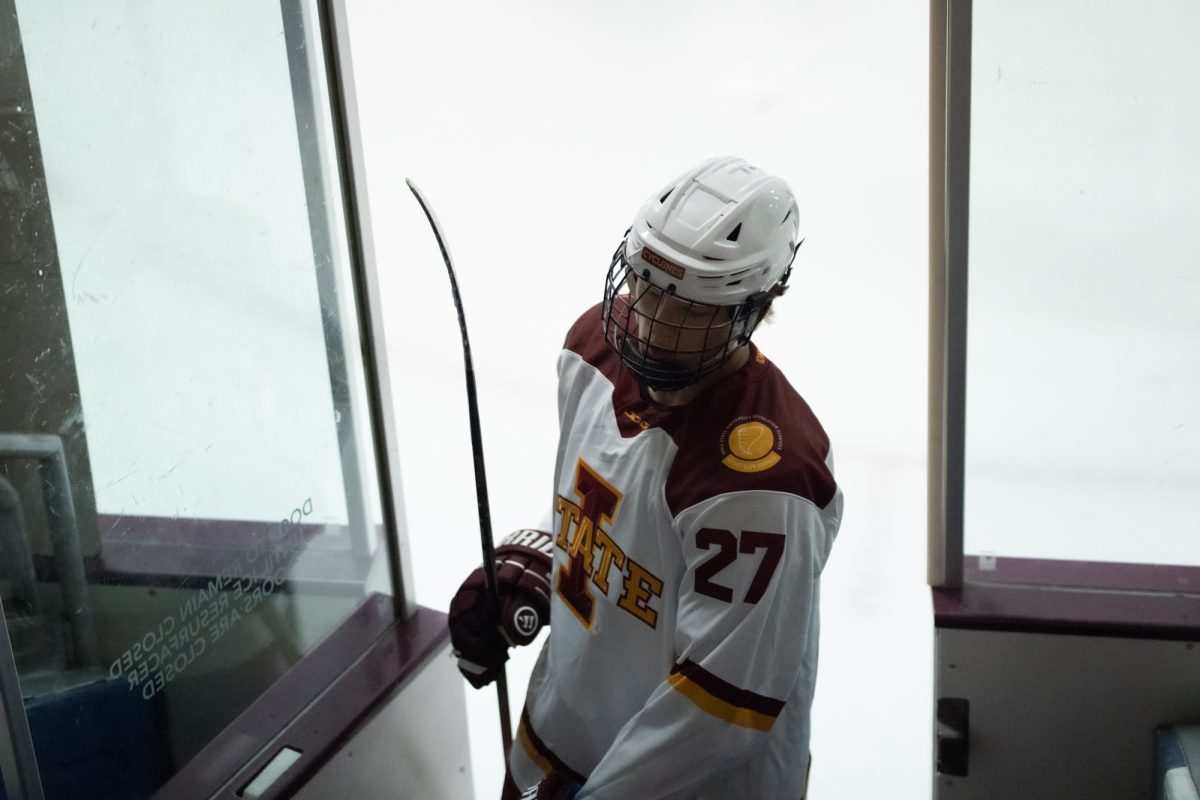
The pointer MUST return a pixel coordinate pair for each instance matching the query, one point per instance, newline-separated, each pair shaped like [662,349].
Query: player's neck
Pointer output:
[685,395]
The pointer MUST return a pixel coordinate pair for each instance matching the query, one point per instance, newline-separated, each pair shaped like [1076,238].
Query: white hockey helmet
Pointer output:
[721,236]
[720,233]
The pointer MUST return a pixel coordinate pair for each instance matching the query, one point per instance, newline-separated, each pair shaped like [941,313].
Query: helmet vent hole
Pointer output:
[786,216]
[733,234]
[663,199]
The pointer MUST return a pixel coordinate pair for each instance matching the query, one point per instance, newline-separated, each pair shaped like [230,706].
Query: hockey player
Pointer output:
[694,510]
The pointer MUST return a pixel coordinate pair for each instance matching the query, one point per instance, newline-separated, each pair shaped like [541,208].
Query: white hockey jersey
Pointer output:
[689,544]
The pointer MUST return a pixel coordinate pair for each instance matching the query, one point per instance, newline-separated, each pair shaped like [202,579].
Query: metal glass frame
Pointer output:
[335,36]
[949,193]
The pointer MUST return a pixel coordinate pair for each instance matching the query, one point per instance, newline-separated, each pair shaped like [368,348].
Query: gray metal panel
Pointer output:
[1063,717]
[400,748]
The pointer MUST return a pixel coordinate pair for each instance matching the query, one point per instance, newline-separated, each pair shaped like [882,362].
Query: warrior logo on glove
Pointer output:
[527,621]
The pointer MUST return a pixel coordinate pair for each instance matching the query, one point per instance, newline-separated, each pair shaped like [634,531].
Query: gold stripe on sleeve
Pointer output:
[735,715]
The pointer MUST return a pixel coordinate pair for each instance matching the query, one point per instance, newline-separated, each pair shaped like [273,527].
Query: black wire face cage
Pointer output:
[666,341]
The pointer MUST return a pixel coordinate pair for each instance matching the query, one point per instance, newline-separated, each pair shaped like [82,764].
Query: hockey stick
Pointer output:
[481,494]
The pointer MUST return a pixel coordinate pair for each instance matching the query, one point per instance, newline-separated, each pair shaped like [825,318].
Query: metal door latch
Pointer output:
[953,735]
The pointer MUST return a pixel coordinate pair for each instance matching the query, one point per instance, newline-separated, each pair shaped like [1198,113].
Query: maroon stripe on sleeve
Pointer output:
[727,692]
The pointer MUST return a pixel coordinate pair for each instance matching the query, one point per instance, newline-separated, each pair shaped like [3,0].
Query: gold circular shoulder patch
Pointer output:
[750,447]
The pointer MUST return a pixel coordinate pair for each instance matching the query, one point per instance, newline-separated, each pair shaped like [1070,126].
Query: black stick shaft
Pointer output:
[481,493]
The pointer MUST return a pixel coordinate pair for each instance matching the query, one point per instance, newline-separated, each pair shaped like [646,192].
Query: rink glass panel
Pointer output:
[186,448]
[1082,435]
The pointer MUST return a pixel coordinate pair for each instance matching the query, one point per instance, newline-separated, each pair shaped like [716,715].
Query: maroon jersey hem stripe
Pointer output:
[548,754]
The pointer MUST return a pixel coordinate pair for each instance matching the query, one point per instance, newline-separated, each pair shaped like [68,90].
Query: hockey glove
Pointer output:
[554,787]
[480,640]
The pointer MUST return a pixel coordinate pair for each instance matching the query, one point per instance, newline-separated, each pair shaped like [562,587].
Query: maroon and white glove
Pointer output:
[480,639]
[554,787]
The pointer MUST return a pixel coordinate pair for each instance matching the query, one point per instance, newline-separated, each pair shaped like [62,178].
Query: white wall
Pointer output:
[535,129]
